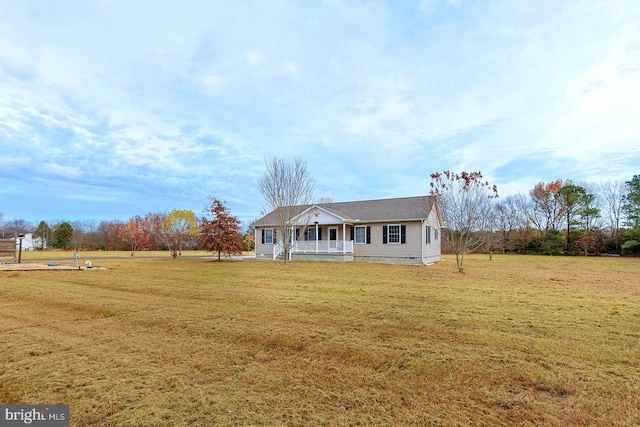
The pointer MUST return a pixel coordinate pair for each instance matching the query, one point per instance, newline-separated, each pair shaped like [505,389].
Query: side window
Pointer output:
[428,241]
[267,236]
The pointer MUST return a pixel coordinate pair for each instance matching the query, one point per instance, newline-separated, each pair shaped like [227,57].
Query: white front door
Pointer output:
[333,239]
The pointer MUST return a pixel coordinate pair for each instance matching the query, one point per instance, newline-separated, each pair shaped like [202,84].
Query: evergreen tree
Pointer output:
[631,208]
[62,235]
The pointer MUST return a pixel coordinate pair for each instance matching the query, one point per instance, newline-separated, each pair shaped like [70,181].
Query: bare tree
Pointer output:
[43,236]
[79,235]
[508,217]
[613,193]
[17,226]
[90,227]
[465,205]
[84,234]
[325,200]
[524,205]
[285,185]
[107,237]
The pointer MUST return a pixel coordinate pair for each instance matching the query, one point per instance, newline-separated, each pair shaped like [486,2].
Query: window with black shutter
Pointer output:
[360,235]
[394,234]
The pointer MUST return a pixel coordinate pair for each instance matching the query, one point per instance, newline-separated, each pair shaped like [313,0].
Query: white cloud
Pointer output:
[256,58]
[213,83]
[62,170]
[374,95]
[291,67]
[427,7]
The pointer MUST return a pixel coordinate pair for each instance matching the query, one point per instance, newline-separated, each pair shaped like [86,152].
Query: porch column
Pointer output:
[344,238]
[316,236]
[255,241]
[292,241]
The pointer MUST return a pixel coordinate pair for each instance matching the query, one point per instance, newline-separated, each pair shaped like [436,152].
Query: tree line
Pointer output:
[563,217]
[218,232]
[558,217]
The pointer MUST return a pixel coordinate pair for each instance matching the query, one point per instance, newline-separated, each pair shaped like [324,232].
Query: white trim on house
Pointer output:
[315,213]
[268,236]
[397,235]
[364,235]
[422,231]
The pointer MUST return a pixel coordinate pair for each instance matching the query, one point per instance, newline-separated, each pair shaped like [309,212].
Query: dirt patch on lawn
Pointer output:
[34,266]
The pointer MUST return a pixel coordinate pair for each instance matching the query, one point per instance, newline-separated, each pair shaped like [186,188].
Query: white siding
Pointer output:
[432,250]
[377,249]
[263,250]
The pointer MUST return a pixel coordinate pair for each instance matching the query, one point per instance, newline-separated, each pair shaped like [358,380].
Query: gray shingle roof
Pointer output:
[405,208]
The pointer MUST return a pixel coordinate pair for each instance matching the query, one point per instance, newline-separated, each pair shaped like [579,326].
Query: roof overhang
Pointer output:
[315,214]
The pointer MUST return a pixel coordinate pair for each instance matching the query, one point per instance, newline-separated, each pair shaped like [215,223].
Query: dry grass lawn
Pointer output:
[522,341]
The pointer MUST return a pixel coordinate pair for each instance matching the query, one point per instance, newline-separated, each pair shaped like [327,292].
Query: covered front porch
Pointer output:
[318,232]
[323,246]
[309,241]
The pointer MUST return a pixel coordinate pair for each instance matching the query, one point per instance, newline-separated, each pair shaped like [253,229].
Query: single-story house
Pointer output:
[405,230]
[27,242]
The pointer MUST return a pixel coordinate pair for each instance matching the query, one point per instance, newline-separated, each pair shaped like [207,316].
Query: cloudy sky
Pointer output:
[110,109]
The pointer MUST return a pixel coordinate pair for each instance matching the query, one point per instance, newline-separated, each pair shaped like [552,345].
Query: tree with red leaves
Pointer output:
[222,233]
[465,203]
[134,233]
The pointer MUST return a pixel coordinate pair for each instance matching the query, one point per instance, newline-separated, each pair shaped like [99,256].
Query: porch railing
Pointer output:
[277,250]
[323,246]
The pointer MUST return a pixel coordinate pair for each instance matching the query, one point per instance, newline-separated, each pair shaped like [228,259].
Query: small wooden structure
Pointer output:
[8,249]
